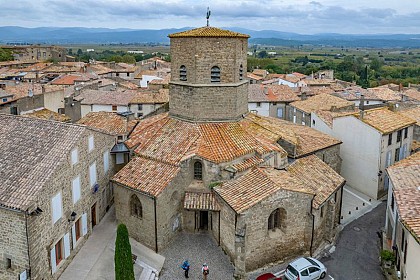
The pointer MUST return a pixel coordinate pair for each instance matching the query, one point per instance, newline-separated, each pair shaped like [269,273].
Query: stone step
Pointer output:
[146,274]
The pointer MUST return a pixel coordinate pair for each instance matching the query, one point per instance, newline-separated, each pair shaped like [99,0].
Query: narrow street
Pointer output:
[357,249]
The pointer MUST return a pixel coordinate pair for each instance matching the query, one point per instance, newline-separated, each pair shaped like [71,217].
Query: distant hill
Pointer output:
[77,35]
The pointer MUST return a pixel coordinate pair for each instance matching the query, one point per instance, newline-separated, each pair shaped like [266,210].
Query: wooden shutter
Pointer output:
[84,224]
[66,245]
[73,235]
[53,260]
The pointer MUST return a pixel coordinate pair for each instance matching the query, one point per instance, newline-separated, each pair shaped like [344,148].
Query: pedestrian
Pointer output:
[205,271]
[186,267]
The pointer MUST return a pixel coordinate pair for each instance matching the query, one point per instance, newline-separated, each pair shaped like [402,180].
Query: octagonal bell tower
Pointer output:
[208,75]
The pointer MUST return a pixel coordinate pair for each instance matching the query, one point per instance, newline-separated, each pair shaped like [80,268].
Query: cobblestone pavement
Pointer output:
[197,249]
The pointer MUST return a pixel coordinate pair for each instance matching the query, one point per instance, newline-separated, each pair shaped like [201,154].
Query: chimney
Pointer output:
[362,106]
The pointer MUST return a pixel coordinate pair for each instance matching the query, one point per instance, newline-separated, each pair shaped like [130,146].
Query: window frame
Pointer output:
[241,72]
[183,73]
[405,133]
[56,217]
[74,156]
[198,170]
[399,135]
[59,252]
[73,192]
[390,139]
[215,76]
[91,143]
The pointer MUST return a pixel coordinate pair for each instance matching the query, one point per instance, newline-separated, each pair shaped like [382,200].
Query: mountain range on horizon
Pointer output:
[79,35]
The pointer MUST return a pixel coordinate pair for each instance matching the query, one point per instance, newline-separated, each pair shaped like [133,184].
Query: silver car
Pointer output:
[305,269]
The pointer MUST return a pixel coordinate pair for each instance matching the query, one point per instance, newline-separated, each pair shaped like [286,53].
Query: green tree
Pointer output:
[128,59]
[79,52]
[5,55]
[262,54]
[124,269]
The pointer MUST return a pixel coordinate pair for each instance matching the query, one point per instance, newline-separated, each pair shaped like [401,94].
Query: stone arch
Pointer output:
[215,74]
[136,209]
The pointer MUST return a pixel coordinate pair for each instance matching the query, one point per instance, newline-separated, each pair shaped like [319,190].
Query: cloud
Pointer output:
[302,16]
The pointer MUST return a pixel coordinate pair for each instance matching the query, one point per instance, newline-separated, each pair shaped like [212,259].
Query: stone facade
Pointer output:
[331,156]
[41,233]
[195,97]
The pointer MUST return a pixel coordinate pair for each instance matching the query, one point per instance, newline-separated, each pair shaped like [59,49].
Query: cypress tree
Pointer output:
[124,269]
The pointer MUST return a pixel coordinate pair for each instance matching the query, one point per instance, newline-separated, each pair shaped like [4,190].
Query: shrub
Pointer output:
[123,259]
[387,256]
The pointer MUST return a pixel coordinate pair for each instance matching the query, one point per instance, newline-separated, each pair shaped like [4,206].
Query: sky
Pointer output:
[299,16]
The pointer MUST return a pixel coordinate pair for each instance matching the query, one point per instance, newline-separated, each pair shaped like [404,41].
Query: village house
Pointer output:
[372,140]
[38,53]
[270,100]
[300,111]
[402,224]
[54,188]
[148,102]
[258,186]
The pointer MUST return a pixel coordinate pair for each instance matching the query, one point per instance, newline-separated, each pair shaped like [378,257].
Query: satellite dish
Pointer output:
[30,93]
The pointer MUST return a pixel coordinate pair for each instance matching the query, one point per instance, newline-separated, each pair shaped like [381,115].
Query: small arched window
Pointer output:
[183,73]
[277,219]
[198,170]
[136,209]
[215,74]
[241,72]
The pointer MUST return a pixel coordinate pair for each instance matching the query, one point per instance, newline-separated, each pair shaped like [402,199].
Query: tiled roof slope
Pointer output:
[412,113]
[412,93]
[200,201]
[146,175]
[117,97]
[162,96]
[317,176]
[321,102]
[109,122]
[255,186]
[208,31]
[405,177]
[30,151]
[272,93]
[48,115]
[384,120]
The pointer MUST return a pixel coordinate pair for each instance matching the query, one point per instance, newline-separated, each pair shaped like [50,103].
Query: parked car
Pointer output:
[267,276]
[305,269]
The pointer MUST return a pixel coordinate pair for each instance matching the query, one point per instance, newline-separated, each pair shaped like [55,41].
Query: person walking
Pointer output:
[186,267]
[205,271]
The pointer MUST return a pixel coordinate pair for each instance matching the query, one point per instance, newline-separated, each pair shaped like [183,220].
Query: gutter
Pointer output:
[313,227]
[156,241]
[341,201]
[27,242]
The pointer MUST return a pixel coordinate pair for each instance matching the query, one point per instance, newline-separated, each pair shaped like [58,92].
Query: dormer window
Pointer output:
[241,72]
[183,73]
[215,74]
[198,171]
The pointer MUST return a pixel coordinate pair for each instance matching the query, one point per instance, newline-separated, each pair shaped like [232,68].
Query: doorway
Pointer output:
[204,220]
[93,214]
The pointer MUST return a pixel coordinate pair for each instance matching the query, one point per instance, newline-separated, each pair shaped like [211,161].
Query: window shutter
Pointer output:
[84,224]
[388,158]
[404,151]
[106,161]
[76,189]
[92,174]
[66,245]
[74,156]
[56,208]
[73,235]
[52,257]
[119,158]
[90,143]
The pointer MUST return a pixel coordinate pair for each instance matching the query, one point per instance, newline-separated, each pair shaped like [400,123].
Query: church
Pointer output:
[264,189]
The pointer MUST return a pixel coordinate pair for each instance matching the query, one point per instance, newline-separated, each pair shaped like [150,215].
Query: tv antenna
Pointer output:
[208,15]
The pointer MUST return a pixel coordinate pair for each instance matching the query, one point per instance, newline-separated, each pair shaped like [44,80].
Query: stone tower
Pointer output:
[208,76]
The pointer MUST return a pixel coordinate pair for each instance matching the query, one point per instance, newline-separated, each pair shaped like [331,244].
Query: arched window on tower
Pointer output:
[241,72]
[136,209]
[215,74]
[277,219]
[198,170]
[182,73]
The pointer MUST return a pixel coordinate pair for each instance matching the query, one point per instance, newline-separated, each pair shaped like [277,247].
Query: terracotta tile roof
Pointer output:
[128,85]
[260,72]
[385,94]
[309,91]
[256,185]
[247,164]
[325,102]
[290,78]
[146,175]
[385,120]
[108,122]
[200,201]
[352,93]
[412,93]
[299,75]
[160,97]
[415,146]
[112,97]
[48,115]
[271,93]
[317,176]
[306,140]
[412,113]
[31,150]
[36,67]
[405,178]
[21,90]
[328,116]
[253,76]
[208,31]
[69,79]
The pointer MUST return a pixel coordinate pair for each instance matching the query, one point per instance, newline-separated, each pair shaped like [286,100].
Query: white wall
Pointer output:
[287,83]
[412,266]
[85,109]
[367,102]
[147,109]
[320,125]
[147,78]
[360,152]
[262,110]
[54,100]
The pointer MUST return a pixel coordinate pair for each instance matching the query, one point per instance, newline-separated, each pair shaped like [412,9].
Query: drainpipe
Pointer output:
[27,242]
[341,202]
[156,240]
[313,227]
[219,229]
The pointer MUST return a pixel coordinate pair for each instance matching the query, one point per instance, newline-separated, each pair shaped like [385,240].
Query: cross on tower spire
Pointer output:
[208,15]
